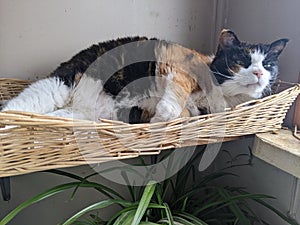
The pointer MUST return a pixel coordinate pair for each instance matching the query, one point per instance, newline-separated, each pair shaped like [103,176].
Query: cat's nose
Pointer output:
[258,73]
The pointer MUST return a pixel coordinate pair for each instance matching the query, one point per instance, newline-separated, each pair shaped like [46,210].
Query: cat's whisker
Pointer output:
[267,90]
[221,74]
[230,70]
[228,67]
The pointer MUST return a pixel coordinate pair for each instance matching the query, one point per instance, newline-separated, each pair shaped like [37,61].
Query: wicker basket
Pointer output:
[33,142]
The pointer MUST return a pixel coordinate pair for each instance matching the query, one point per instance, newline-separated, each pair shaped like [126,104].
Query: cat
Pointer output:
[136,79]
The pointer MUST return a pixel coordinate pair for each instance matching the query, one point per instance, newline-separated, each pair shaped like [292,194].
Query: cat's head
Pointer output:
[242,68]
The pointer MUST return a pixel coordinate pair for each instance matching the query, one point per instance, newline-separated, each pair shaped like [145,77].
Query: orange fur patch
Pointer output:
[77,78]
[187,66]
[236,68]
[182,85]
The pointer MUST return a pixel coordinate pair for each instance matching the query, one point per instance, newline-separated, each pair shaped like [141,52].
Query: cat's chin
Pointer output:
[255,90]
[254,85]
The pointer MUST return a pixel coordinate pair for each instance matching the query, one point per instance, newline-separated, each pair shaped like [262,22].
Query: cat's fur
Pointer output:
[137,80]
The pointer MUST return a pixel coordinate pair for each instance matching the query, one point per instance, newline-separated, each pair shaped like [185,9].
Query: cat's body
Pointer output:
[138,80]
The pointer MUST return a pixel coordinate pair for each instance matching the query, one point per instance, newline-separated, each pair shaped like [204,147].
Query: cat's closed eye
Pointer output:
[244,63]
[239,62]
[267,65]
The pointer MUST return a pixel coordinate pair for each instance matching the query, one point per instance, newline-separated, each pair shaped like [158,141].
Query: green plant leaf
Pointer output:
[227,201]
[144,202]
[46,194]
[191,218]
[121,213]
[169,214]
[132,207]
[128,169]
[64,173]
[99,187]
[212,177]
[235,208]
[187,195]
[203,199]
[38,198]
[125,218]
[131,189]
[277,212]
[121,218]
[148,223]
[183,221]
[98,205]
[94,220]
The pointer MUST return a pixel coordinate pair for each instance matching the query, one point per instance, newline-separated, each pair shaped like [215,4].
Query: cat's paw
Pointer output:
[166,111]
[156,120]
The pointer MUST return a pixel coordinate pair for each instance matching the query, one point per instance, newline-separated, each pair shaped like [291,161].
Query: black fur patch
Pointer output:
[81,61]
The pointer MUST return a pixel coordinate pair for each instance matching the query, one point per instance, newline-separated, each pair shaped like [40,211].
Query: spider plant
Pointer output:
[184,199]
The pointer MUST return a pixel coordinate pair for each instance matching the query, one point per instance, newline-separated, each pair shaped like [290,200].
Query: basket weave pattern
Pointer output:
[32,142]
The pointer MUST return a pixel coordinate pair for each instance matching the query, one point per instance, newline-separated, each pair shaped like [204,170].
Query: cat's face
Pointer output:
[242,68]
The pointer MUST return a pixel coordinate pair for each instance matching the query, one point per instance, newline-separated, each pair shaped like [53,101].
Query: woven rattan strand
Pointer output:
[32,142]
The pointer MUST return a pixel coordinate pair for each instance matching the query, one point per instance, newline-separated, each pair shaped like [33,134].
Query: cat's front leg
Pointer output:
[179,85]
[167,109]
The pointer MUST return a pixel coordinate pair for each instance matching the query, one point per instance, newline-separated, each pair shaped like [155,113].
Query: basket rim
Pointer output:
[35,117]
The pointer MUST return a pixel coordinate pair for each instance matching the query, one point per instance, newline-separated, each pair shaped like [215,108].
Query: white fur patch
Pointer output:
[87,100]
[90,102]
[168,107]
[43,96]
[156,92]
[68,113]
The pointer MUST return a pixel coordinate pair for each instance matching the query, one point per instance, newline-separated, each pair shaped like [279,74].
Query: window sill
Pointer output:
[281,150]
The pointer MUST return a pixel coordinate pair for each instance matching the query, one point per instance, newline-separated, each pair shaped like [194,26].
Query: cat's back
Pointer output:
[79,63]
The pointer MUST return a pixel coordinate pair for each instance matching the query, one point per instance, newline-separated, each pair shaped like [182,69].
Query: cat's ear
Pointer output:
[277,46]
[228,39]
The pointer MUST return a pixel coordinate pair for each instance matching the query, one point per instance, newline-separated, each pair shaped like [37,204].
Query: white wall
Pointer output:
[36,36]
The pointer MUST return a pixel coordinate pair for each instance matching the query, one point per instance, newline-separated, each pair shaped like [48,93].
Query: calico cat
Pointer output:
[147,80]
